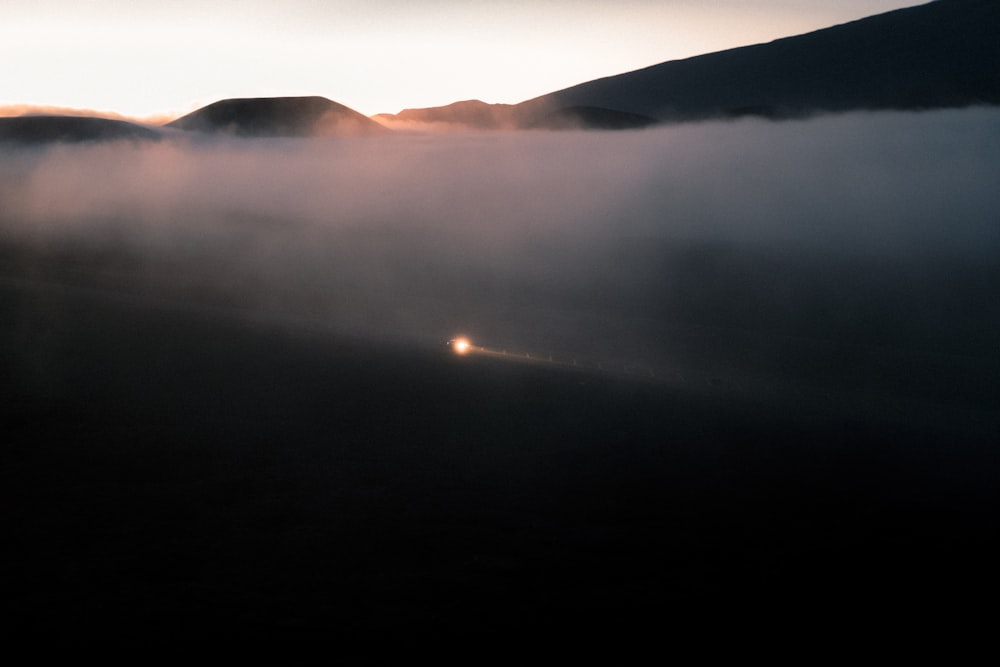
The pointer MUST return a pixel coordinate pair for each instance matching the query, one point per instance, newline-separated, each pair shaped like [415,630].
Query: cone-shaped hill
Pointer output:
[278,117]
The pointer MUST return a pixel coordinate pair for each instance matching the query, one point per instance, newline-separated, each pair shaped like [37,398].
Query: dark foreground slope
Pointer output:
[278,117]
[29,130]
[176,472]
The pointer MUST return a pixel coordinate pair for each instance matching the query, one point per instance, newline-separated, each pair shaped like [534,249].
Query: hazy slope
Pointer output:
[468,113]
[941,54]
[278,117]
[588,117]
[70,129]
[478,115]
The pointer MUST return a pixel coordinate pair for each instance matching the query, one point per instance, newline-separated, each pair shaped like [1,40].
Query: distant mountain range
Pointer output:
[941,54]
[250,117]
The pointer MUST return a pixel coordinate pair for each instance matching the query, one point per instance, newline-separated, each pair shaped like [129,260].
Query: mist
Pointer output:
[744,366]
[713,246]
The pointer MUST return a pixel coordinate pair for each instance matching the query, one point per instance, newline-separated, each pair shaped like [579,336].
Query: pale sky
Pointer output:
[142,58]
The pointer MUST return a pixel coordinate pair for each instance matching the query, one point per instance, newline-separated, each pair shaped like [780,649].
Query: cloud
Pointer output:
[9,110]
[868,229]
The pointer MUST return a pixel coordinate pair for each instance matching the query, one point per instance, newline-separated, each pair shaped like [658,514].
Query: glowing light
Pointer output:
[461,345]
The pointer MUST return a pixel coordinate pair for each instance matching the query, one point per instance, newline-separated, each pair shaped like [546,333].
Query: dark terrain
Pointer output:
[178,467]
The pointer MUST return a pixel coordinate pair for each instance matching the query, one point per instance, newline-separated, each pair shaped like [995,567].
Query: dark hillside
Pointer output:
[942,54]
[938,55]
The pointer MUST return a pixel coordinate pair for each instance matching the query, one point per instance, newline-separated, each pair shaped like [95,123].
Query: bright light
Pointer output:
[461,345]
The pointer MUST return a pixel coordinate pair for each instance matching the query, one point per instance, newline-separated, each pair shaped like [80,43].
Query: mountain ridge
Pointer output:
[940,54]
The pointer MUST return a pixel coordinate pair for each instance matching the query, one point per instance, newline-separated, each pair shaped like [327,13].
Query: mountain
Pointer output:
[71,129]
[278,117]
[941,54]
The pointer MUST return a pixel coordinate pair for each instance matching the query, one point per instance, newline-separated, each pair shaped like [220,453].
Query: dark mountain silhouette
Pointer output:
[71,129]
[941,54]
[278,117]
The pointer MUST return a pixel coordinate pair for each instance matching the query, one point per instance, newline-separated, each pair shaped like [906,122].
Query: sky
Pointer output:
[146,59]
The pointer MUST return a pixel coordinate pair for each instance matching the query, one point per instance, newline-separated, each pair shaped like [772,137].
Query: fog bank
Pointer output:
[873,230]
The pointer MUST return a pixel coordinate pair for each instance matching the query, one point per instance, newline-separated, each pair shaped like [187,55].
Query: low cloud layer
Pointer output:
[13,110]
[867,229]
